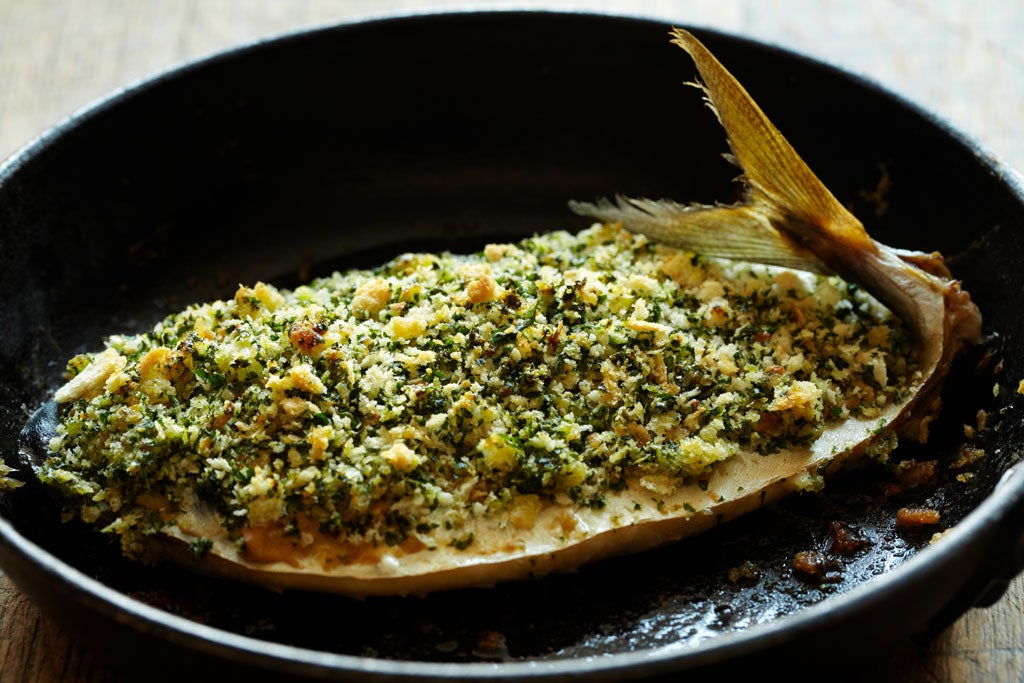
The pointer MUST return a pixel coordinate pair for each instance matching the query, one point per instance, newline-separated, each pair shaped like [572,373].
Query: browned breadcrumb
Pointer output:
[916,517]
[966,455]
[811,564]
[909,475]
[491,645]
[745,573]
[846,539]
[982,420]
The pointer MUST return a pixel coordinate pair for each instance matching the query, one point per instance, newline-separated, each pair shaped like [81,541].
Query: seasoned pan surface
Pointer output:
[346,146]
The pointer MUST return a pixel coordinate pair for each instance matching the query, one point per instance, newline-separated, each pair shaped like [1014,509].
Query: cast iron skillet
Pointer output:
[344,146]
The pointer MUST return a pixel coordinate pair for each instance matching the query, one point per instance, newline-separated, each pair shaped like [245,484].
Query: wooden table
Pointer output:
[964,61]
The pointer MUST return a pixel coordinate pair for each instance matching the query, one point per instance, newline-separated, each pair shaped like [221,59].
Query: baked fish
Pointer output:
[446,421]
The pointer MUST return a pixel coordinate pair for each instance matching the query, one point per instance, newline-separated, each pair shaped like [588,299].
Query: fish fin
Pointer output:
[735,232]
[787,216]
[777,179]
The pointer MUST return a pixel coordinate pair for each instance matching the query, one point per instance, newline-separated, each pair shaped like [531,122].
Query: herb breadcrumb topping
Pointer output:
[393,406]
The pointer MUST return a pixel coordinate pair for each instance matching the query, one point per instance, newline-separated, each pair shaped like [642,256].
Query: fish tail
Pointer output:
[786,217]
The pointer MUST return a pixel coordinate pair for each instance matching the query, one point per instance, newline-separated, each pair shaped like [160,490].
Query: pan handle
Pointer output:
[991,579]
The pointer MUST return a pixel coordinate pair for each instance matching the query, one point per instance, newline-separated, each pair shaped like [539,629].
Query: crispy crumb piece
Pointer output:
[916,517]
[491,645]
[846,539]
[746,573]
[910,475]
[371,296]
[811,564]
[90,381]
[966,455]
[401,457]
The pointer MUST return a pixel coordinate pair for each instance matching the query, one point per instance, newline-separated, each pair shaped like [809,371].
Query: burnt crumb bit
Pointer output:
[491,645]
[965,456]
[747,573]
[910,475]
[981,424]
[811,565]
[912,518]
[846,539]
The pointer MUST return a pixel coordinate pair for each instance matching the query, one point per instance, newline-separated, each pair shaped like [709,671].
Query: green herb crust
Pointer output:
[392,407]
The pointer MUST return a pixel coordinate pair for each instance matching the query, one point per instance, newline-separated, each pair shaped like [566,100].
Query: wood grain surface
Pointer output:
[964,61]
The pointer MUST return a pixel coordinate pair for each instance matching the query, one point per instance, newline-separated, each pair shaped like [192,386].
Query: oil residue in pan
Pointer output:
[736,577]
[768,564]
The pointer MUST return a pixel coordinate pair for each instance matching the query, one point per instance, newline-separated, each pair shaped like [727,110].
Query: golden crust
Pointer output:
[562,538]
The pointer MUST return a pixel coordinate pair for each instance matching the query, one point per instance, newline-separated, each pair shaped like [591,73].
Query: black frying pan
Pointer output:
[345,146]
